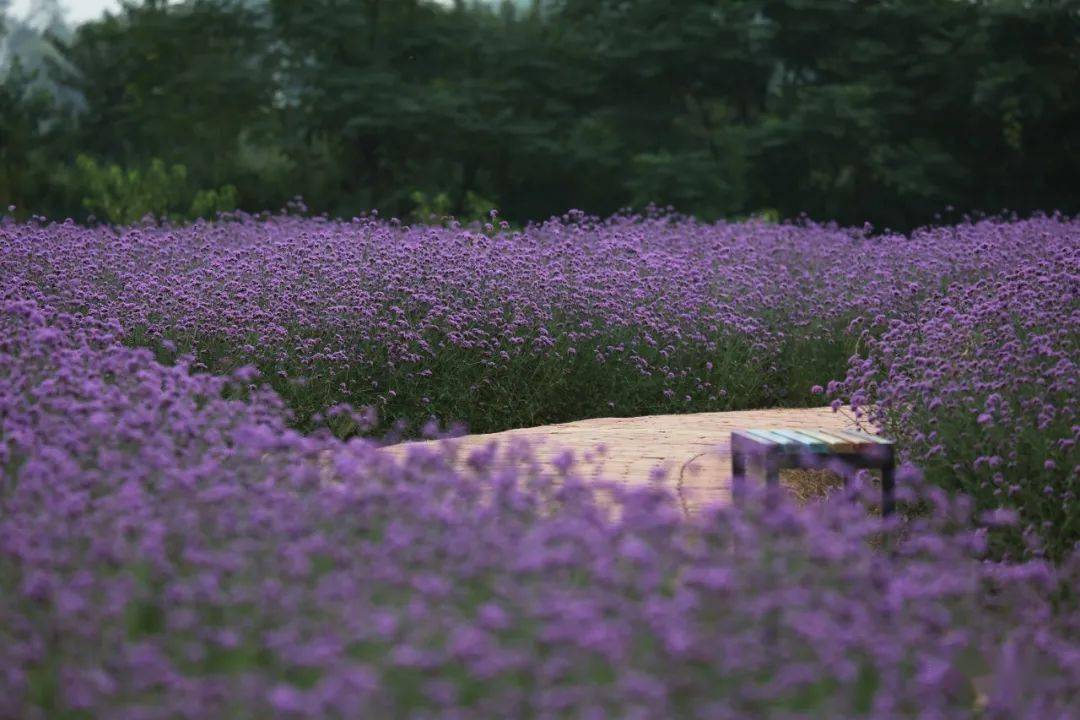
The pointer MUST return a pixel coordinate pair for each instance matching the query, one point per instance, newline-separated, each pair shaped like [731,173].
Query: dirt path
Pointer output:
[690,450]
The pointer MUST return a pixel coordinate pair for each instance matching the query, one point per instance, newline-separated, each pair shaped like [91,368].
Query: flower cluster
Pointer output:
[963,340]
[568,319]
[980,386]
[171,549]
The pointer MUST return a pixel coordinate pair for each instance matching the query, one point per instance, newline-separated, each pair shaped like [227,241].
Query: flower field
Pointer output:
[192,526]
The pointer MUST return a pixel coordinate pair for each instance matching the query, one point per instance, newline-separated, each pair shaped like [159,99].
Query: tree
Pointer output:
[181,82]
[849,111]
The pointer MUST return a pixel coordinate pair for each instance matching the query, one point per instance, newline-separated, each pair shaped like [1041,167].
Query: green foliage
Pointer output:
[881,112]
[25,138]
[208,203]
[126,196]
[437,208]
[432,209]
[687,180]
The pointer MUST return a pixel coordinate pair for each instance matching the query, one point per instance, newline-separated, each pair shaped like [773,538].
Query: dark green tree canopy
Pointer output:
[878,111]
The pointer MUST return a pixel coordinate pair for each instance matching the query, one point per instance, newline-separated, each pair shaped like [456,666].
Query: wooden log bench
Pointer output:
[765,453]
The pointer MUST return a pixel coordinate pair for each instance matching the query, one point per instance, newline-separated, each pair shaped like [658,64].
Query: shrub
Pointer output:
[127,196]
[570,319]
[980,387]
[962,339]
[167,552]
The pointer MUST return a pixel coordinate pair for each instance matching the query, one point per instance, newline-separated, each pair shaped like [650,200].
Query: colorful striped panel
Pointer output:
[821,436]
[770,436]
[837,442]
[812,443]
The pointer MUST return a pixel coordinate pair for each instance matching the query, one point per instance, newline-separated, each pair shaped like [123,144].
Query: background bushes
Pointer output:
[893,113]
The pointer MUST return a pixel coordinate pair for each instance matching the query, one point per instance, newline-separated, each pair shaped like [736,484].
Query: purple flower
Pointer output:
[1001,517]
[175,541]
